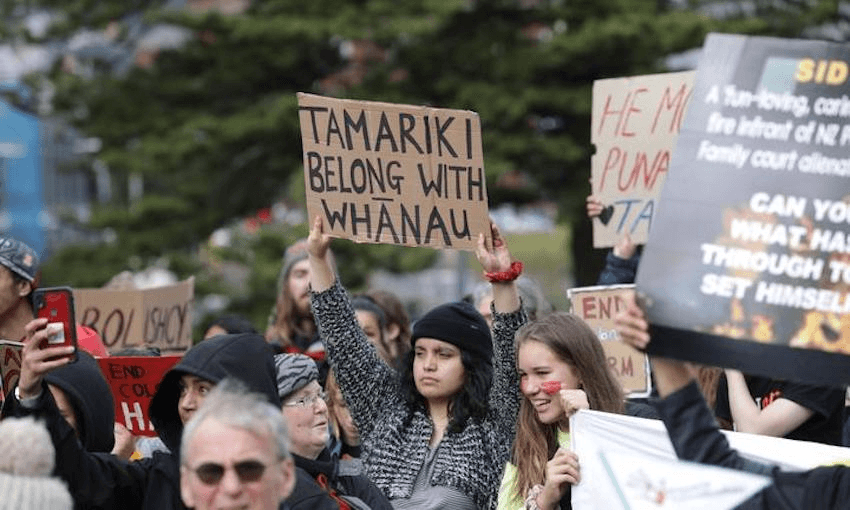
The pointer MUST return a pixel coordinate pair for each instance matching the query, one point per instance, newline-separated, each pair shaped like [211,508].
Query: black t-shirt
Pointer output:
[827,403]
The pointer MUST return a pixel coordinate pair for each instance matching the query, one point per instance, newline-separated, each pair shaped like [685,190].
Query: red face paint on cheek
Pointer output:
[551,387]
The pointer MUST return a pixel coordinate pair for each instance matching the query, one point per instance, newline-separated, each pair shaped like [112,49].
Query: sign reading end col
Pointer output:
[748,260]
[396,174]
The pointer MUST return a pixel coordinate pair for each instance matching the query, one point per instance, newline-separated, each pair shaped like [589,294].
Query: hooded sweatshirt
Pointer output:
[89,394]
[247,357]
[104,481]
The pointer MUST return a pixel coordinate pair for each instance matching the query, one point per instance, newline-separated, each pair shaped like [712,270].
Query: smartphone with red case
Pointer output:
[56,304]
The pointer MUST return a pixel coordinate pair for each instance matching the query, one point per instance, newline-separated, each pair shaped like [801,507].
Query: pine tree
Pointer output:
[212,127]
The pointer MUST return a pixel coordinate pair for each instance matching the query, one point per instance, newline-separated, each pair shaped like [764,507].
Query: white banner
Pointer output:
[628,462]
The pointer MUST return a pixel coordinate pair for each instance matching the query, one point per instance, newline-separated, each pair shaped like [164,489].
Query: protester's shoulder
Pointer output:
[825,487]
[308,495]
[84,385]
[361,487]
[641,409]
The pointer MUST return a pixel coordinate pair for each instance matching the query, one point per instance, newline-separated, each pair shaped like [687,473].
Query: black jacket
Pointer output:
[104,481]
[617,270]
[328,473]
[307,495]
[696,438]
[89,394]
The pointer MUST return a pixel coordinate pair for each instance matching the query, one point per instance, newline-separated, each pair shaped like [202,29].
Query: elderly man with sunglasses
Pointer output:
[103,481]
[235,453]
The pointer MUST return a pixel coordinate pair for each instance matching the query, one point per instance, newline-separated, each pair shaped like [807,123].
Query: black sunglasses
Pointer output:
[247,471]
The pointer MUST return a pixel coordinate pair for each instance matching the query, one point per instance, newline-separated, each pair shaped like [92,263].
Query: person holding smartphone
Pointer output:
[19,281]
[102,480]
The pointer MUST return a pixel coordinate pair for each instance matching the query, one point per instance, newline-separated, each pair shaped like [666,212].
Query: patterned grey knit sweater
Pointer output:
[395,437]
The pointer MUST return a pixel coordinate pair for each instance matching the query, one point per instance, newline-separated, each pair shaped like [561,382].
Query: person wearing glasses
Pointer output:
[323,481]
[235,453]
[104,481]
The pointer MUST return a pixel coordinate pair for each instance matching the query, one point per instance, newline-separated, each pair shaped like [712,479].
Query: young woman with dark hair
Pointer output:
[438,435]
[470,400]
[562,368]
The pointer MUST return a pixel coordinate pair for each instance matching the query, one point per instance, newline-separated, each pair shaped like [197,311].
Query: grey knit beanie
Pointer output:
[294,371]
[25,467]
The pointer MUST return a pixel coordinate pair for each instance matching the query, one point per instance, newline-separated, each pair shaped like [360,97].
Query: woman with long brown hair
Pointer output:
[562,368]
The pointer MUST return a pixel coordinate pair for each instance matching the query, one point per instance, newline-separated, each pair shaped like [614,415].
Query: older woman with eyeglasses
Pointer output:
[322,480]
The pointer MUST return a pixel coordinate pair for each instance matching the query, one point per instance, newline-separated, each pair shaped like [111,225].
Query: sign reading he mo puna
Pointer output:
[397,174]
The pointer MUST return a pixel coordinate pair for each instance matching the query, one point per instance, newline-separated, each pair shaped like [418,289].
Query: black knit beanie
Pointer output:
[460,325]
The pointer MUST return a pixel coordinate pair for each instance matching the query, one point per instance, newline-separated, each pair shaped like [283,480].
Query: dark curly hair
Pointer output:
[471,402]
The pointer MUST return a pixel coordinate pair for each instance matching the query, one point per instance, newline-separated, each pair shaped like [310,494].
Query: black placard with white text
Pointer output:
[748,259]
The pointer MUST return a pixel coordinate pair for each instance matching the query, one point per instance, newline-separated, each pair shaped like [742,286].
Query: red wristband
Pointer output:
[505,276]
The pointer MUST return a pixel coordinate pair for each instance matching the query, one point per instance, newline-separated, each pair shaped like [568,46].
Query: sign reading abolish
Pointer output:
[396,174]
[597,306]
[159,317]
[10,364]
[133,380]
[749,254]
[635,123]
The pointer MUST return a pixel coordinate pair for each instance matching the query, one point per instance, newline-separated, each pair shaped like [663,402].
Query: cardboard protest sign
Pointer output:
[10,364]
[635,123]
[392,173]
[133,380]
[159,317]
[748,259]
[638,451]
[597,306]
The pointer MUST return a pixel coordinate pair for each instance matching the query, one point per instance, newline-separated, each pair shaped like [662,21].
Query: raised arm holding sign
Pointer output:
[459,385]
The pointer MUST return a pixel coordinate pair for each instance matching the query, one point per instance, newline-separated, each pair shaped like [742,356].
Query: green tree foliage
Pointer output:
[213,128]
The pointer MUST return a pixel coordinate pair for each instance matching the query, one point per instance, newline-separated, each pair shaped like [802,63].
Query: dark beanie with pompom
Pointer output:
[459,324]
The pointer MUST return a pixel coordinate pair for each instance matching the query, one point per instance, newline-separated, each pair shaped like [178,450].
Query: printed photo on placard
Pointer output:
[748,260]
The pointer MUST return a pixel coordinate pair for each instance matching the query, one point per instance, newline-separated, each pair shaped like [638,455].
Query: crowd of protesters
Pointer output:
[345,403]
